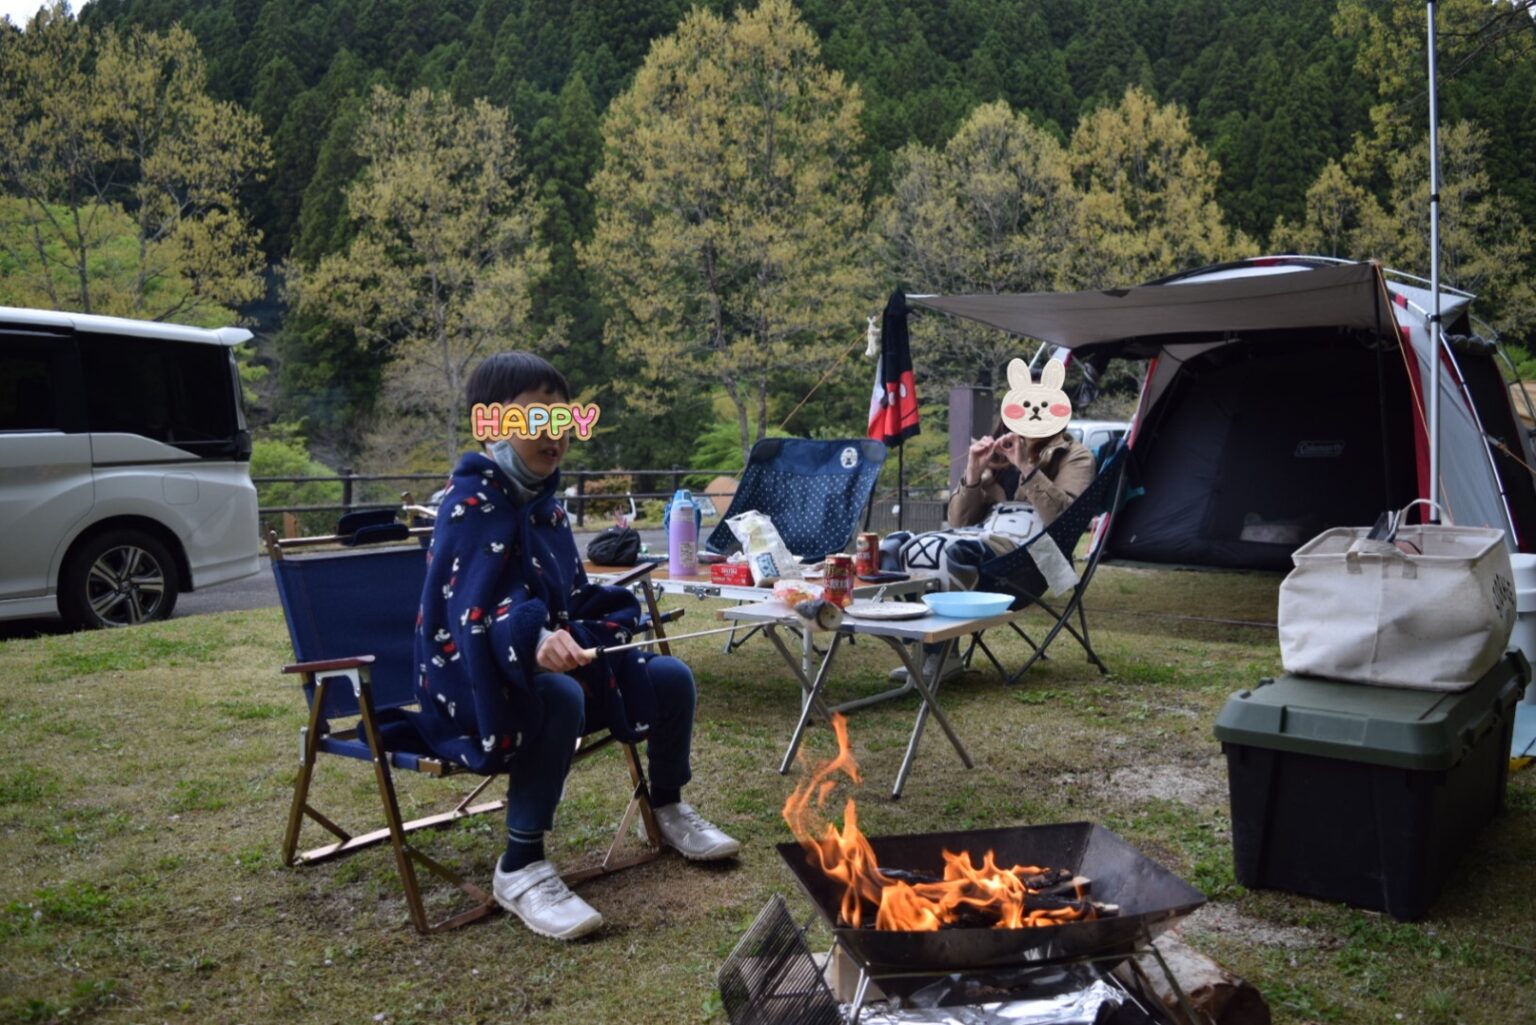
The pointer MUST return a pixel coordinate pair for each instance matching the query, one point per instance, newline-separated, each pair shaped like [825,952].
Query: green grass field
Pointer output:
[148,772]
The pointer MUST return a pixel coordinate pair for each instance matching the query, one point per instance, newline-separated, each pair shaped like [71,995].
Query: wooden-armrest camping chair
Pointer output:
[351,615]
[1016,573]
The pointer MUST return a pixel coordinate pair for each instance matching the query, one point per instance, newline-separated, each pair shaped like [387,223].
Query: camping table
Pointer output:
[699,585]
[902,636]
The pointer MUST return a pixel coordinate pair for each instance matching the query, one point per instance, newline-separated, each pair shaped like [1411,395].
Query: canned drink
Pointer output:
[839,579]
[866,554]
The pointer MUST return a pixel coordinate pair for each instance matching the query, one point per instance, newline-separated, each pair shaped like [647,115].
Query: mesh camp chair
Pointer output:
[814,490]
[352,617]
[1016,573]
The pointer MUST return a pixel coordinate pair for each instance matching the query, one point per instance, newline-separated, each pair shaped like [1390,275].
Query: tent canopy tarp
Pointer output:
[1348,295]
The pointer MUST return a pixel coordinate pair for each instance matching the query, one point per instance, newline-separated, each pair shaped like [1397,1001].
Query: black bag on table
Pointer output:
[615,546]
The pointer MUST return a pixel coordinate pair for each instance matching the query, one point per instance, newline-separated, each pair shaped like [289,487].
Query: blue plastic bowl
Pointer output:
[968,604]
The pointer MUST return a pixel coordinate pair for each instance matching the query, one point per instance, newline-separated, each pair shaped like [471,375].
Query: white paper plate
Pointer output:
[888,610]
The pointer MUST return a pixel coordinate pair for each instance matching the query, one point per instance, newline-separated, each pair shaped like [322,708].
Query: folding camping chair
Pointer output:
[1016,572]
[813,489]
[352,617]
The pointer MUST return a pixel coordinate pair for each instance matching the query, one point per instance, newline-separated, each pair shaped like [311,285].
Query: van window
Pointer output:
[26,391]
[179,393]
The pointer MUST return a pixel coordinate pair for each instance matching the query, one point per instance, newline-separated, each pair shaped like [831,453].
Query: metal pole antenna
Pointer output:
[1434,273]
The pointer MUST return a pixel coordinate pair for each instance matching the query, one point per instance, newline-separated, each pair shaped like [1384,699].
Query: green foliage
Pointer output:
[280,452]
[127,172]
[719,448]
[441,270]
[728,215]
[1303,106]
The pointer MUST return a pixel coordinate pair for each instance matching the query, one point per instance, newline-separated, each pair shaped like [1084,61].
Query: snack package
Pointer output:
[793,592]
[765,551]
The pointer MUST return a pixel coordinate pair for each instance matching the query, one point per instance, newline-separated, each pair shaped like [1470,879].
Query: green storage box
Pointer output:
[1365,794]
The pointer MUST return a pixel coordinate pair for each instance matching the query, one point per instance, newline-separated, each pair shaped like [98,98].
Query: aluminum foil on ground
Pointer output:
[1074,995]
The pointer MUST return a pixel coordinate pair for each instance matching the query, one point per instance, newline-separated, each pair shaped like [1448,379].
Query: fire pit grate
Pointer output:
[771,978]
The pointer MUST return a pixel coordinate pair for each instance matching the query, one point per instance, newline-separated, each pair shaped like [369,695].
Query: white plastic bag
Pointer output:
[766,552]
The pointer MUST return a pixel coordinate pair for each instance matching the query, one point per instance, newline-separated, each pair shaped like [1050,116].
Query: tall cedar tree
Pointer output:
[728,239]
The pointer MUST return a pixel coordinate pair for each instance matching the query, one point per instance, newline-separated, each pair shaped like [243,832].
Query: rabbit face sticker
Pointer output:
[1036,410]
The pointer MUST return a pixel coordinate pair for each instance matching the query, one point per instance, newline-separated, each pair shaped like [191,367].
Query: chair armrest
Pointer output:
[330,665]
[642,570]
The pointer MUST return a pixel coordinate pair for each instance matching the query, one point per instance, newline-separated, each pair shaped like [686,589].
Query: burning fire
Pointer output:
[968,894]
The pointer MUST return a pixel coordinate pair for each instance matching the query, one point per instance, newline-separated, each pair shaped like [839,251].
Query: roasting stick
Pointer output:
[817,616]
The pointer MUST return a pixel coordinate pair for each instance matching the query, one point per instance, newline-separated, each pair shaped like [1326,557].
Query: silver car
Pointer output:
[124,466]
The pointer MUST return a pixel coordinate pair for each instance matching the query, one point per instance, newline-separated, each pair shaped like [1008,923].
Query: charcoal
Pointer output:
[911,877]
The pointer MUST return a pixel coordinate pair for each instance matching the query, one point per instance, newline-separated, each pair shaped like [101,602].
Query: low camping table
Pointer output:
[902,636]
[699,585]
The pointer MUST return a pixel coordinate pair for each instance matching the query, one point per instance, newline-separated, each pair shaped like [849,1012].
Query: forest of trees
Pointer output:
[692,207]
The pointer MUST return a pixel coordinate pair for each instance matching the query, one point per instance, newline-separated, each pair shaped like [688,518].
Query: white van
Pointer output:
[1095,434]
[124,466]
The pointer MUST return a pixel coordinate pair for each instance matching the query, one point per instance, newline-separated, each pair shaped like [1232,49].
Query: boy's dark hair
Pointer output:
[507,375]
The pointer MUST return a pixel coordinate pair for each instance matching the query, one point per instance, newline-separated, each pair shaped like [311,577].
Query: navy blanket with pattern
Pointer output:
[498,575]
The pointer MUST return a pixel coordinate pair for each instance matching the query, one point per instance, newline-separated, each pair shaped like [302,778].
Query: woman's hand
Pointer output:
[976,459]
[1012,447]
[559,653]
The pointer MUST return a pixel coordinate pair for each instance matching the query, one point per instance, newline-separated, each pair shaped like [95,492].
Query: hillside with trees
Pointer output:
[692,207]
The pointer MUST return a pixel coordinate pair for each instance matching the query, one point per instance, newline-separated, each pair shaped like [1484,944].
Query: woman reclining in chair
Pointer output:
[1017,481]
[505,617]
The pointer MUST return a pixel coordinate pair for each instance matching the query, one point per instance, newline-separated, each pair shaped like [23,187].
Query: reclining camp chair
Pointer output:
[1016,572]
[352,617]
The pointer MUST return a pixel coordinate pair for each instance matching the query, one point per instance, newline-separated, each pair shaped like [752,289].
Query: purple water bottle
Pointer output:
[682,536]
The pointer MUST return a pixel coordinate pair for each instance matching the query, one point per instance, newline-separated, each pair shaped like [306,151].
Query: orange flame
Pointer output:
[967,889]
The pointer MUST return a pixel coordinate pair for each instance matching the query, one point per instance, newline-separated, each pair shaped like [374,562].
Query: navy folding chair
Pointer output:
[1016,573]
[815,490]
[352,618]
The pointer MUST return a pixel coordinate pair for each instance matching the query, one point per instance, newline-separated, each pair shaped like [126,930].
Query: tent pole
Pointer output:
[1434,272]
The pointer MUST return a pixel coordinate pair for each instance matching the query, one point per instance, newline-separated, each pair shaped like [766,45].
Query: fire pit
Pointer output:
[1145,898]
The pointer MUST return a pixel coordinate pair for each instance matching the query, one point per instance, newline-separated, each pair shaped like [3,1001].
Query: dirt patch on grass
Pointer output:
[1197,784]
[1225,922]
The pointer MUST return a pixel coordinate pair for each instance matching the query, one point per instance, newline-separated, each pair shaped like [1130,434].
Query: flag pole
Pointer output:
[1434,277]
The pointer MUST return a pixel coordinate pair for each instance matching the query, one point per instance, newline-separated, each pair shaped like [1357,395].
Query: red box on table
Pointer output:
[731,573]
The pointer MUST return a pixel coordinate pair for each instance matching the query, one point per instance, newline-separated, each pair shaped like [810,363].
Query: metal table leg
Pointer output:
[811,702]
[926,688]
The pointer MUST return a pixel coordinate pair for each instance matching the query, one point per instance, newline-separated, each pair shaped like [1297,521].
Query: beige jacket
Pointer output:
[1066,468]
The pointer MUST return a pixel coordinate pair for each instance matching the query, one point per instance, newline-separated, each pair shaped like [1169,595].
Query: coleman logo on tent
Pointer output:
[1319,449]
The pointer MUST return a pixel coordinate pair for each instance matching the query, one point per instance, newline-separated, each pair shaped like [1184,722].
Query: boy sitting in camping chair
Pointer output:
[509,675]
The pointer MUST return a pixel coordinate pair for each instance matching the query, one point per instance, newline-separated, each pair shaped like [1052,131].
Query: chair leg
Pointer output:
[406,856]
[639,806]
[1064,622]
[731,642]
[978,642]
[300,808]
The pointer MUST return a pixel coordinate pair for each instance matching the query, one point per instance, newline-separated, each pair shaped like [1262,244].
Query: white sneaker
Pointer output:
[538,896]
[953,668]
[692,835]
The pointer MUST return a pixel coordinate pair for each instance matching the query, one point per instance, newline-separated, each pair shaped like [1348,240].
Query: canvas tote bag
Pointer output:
[1428,607]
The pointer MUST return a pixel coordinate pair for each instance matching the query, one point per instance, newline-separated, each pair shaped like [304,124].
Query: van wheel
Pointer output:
[118,578]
